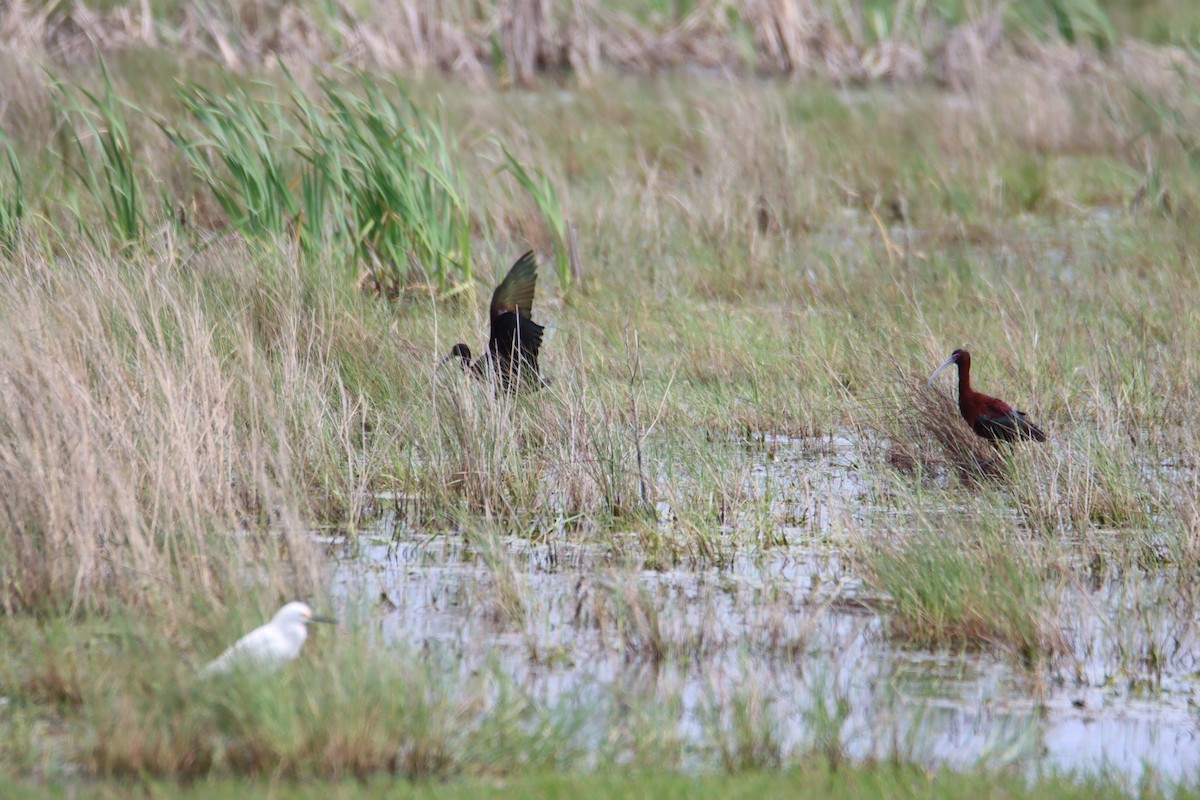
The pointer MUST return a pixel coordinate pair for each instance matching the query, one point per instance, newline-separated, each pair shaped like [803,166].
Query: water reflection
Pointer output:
[792,625]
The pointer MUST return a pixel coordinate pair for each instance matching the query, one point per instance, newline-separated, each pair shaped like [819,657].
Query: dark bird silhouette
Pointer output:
[990,417]
[512,354]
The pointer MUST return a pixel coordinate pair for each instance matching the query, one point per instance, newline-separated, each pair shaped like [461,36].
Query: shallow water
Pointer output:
[785,627]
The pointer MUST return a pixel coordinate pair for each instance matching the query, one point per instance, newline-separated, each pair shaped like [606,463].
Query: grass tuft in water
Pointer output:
[962,583]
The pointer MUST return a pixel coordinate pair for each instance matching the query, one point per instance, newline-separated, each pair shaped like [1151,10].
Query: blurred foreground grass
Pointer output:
[869,782]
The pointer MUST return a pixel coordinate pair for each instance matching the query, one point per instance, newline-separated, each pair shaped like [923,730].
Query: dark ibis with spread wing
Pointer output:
[990,417]
[514,341]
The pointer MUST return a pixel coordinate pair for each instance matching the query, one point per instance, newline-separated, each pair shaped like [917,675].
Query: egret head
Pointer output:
[959,356]
[297,613]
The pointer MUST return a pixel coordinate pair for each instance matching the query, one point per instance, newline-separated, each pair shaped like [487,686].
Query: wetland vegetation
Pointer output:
[737,544]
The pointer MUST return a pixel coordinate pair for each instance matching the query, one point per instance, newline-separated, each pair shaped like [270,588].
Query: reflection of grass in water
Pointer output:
[510,591]
[744,722]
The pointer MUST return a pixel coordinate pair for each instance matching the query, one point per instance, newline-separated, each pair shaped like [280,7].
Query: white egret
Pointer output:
[270,646]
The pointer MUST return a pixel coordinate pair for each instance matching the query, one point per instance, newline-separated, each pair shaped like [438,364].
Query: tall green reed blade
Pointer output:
[109,172]
[538,185]
[234,147]
[12,199]
[1073,20]
[444,196]
[396,181]
[318,199]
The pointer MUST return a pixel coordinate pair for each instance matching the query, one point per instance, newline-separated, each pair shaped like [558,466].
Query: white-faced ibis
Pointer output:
[513,344]
[990,417]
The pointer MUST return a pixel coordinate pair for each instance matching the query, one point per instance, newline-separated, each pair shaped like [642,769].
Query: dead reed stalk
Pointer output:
[520,40]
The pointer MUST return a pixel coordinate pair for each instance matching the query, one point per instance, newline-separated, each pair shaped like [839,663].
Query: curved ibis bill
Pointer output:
[990,417]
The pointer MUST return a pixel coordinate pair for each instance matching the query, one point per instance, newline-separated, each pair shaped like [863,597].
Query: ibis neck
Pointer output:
[964,382]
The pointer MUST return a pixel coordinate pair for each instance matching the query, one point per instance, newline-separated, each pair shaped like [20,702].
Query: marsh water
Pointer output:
[788,632]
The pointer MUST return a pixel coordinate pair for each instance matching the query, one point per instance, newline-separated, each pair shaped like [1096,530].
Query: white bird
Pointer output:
[270,646]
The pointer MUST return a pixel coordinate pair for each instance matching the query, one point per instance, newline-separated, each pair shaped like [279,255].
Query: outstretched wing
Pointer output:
[515,292]
[1008,427]
[515,338]
[514,344]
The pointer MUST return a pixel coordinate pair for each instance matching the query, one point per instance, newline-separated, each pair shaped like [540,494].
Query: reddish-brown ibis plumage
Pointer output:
[990,417]
[512,354]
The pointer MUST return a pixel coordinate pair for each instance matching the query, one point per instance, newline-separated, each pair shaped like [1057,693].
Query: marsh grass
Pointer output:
[1088,484]
[763,259]
[106,161]
[12,201]
[719,354]
[960,583]
[331,715]
[236,149]
[739,326]
[480,455]
[747,729]
[396,180]
[525,43]
[357,171]
[147,423]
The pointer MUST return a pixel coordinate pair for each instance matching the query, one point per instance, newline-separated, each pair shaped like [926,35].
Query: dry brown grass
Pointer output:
[563,453]
[796,38]
[1090,482]
[152,443]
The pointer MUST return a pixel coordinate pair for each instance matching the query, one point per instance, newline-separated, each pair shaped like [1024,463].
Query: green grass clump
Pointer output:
[395,183]
[12,199]
[963,584]
[105,162]
[356,173]
[237,148]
